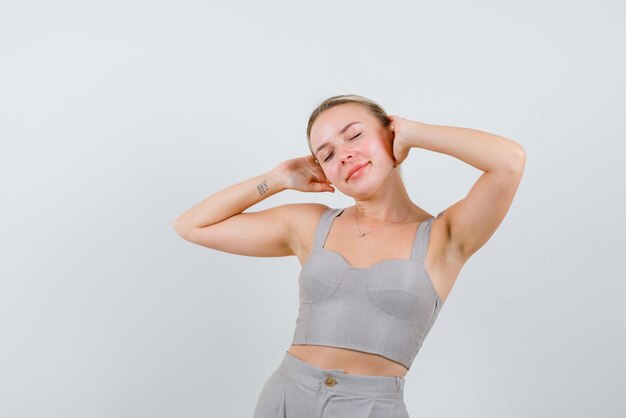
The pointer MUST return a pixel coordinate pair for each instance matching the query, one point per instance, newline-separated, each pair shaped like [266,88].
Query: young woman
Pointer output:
[374,275]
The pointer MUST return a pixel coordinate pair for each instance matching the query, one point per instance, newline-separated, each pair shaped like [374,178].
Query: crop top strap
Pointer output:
[420,245]
[323,226]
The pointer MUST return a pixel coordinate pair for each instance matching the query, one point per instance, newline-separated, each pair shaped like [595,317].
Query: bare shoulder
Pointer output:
[303,219]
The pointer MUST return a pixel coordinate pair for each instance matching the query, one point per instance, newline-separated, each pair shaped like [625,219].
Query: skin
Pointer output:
[381,197]
[377,189]
[385,211]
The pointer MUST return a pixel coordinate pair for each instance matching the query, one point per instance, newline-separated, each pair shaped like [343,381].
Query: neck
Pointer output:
[390,204]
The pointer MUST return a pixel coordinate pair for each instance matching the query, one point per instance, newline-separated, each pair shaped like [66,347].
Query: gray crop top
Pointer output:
[386,309]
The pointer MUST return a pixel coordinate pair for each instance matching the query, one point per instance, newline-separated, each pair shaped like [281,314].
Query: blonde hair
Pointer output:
[374,108]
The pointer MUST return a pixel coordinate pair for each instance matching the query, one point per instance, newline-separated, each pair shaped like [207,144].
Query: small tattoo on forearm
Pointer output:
[262,187]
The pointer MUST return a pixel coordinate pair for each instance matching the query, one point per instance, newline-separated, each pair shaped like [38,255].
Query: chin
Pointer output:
[364,189]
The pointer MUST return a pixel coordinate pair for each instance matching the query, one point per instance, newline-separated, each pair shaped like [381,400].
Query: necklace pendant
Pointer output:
[362,234]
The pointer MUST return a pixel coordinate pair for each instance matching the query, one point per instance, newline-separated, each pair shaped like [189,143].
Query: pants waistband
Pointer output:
[340,382]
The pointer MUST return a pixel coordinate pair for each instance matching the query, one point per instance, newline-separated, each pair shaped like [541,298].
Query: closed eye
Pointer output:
[329,156]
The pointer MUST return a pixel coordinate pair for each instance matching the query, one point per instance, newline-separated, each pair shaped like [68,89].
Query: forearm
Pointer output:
[230,201]
[483,150]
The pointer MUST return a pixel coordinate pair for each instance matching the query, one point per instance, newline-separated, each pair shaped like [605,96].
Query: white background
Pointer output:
[117,116]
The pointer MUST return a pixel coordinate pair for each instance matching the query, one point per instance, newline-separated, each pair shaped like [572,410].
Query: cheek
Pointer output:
[331,173]
[384,148]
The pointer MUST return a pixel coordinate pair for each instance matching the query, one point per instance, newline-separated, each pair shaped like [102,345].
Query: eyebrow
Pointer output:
[341,132]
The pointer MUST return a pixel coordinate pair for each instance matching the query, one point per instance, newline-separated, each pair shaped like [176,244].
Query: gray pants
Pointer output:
[300,390]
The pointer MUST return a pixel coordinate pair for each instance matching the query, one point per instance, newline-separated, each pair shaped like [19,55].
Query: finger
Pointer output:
[319,173]
[322,187]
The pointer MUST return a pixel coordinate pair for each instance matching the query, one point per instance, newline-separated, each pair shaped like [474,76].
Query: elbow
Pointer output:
[521,152]
[178,227]
[518,160]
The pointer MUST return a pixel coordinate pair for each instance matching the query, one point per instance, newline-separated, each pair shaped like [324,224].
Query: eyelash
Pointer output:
[331,154]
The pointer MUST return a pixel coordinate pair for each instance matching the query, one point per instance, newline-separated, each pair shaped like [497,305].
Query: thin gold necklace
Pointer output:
[362,234]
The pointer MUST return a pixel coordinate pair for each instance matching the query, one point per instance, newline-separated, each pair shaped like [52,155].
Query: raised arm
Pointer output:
[218,222]
[471,221]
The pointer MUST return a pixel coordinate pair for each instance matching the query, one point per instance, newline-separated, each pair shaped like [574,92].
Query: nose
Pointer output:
[346,154]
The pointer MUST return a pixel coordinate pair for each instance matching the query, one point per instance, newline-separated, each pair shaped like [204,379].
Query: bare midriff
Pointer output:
[350,361]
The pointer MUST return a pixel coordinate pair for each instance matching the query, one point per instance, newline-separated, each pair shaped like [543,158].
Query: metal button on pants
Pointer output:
[297,389]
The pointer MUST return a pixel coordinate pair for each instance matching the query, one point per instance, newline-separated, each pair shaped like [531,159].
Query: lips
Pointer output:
[355,169]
